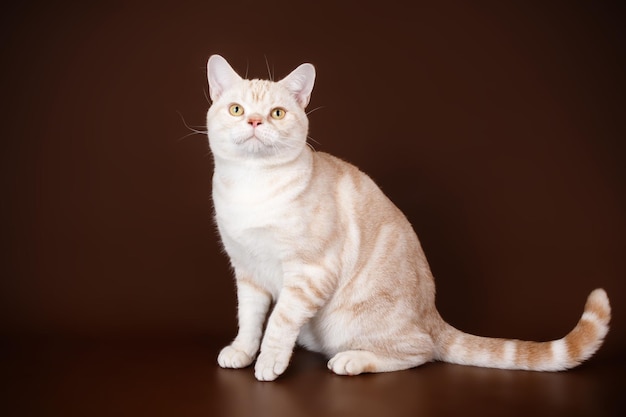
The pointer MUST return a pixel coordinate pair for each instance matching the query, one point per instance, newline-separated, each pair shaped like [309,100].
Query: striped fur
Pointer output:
[313,236]
[577,346]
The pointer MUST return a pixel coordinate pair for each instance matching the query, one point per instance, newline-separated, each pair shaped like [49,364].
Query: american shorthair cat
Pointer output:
[313,237]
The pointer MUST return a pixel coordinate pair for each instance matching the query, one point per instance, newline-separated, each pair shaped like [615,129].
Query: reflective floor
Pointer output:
[182,379]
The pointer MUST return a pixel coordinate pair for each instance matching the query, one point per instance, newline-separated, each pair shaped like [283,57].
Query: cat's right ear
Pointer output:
[221,76]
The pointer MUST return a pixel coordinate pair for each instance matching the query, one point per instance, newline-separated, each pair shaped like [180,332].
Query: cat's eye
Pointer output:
[278,113]
[235,109]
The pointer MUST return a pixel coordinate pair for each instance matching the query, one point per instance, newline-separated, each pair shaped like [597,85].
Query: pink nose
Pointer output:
[255,121]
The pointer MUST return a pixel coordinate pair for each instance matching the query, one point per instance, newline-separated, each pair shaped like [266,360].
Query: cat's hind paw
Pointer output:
[352,362]
[231,357]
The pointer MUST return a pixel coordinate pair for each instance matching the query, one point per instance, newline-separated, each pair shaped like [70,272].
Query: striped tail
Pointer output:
[579,345]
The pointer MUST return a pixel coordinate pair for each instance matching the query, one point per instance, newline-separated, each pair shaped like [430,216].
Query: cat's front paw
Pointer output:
[270,364]
[231,357]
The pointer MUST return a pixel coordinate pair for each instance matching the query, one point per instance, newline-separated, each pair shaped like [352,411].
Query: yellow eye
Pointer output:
[235,109]
[278,113]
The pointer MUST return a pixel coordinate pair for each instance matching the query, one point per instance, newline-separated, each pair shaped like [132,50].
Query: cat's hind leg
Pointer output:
[355,362]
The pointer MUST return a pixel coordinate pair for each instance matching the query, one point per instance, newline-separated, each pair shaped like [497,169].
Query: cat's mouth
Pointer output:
[256,142]
[253,143]
[254,139]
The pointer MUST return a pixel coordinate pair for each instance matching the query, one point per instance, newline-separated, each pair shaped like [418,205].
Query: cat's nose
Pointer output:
[255,120]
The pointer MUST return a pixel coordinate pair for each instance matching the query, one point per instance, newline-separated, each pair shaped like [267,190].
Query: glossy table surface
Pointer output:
[181,378]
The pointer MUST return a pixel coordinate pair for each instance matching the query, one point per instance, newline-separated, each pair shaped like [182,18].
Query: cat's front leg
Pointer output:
[253,304]
[299,300]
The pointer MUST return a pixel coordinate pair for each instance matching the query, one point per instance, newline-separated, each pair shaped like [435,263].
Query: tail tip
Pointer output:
[598,302]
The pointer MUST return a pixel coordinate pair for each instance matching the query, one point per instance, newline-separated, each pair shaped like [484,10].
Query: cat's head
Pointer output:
[257,119]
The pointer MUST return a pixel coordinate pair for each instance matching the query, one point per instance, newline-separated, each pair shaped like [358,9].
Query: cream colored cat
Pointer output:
[314,235]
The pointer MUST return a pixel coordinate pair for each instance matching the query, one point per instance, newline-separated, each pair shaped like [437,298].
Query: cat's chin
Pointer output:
[256,150]
[257,147]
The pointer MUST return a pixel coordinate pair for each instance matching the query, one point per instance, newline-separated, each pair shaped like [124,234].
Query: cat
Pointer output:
[315,238]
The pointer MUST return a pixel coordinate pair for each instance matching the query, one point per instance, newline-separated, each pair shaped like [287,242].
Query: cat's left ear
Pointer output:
[221,76]
[300,83]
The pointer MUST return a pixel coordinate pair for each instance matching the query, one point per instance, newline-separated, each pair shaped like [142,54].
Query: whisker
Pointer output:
[194,131]
[190,134]
[267,64]
[315,109]
[313,140]
[193,128]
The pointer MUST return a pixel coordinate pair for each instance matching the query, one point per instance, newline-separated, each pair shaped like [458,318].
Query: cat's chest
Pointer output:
[262,209]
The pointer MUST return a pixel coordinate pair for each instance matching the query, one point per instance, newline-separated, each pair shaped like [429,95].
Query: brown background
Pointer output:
[497,129]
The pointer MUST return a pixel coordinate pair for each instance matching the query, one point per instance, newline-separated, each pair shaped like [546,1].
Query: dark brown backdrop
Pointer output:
[497,129]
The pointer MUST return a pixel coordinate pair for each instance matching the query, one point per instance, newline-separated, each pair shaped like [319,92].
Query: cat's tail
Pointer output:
[583,341]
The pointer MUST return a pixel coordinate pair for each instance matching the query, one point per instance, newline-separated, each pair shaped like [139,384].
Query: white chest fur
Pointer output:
[259,218]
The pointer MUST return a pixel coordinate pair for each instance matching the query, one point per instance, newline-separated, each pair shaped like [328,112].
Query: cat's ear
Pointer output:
[221,76]
[300,83]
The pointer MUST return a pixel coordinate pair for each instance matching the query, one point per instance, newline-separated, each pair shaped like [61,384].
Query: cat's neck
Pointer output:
[262,166]
[235,171]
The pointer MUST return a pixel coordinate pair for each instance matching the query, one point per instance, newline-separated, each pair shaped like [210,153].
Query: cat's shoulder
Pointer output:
[338,169]
[325,160]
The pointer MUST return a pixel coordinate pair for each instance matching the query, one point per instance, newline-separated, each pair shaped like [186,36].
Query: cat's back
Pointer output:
[335,173]
[331,168]
[351,186]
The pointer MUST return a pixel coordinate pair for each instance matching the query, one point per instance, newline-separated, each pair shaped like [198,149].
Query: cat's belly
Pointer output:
[346,322]
[330,332]
[309,340]
[328,340]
